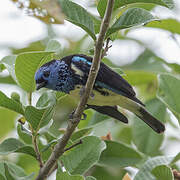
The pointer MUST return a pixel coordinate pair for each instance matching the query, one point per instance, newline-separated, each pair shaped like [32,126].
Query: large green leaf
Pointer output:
[171,25]
[145,171]
[66,176]
[13,172]
[26,66]
[119,155]
[163,172]
[11,166]
[108,173]
[131,17]
[14,145]
[119,3]
[9,62]
[146,140]
[80,158]
[139,77]
[10,104]
[41,115]
[168,92]
[78,16]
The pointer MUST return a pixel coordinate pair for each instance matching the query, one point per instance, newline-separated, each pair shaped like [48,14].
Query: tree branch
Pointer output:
[59,148]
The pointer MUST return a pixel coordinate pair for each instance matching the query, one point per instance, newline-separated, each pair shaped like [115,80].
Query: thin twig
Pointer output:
[38,154]
[34,138]
[104,53]
[59,148]
[79,142]
[30,98]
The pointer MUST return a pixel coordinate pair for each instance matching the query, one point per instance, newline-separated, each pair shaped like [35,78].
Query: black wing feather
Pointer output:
[108,77]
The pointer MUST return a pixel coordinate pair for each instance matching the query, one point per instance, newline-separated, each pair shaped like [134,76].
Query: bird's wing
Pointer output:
[111,111]
[106,77]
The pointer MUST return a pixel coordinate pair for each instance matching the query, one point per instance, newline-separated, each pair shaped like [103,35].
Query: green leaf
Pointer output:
[11,174]
[140,17]
[41,115]
[145,171]
[2,177]
[13,167]
[53,46]
[8,175]
[145,139]
[108,173]
[139,77]
[90,178]
[163,172]
[176,158]
[12,145]
[81,133]
[66,176]
[119,3]
[24,134]
[78,16]
[166,24]
[80,158]
[168,92]
[6,116]
[26,66]
[10,104]
[119,155]
[9,62]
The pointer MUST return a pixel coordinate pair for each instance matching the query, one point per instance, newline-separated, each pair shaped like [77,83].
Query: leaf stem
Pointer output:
[30,98]
[38,154]
[59,148]
[76,144]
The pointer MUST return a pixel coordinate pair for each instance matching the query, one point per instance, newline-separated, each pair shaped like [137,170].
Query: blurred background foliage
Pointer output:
[156,81]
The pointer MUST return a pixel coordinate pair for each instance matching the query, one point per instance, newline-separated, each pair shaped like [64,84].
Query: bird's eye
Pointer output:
[46,73]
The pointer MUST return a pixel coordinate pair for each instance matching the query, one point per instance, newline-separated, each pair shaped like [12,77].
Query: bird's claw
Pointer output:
[71,114]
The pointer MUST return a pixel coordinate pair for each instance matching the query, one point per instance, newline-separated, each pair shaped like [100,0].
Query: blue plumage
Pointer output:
[70,74]
[56,76]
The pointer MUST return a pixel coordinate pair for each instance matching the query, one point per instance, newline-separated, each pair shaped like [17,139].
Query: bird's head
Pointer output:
[53,75]
[44,76]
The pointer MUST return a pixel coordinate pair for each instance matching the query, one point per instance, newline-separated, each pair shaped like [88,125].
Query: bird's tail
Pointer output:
[140,112]
[151,121]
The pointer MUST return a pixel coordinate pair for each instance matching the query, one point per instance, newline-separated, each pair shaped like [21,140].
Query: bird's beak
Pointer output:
[40,85]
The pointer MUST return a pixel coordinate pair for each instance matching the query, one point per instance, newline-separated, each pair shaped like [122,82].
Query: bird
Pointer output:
[110,90]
